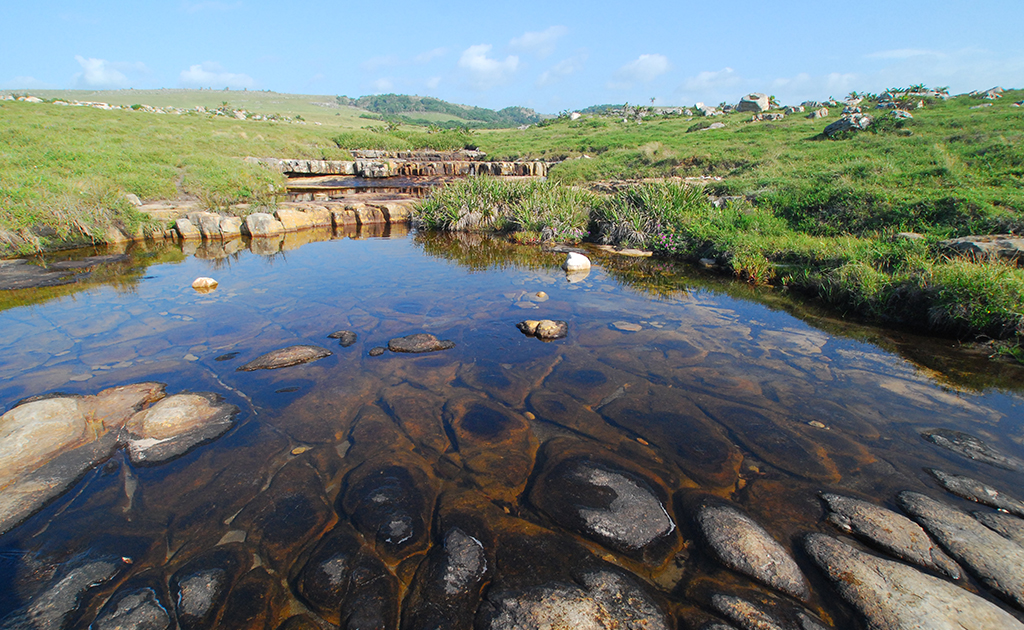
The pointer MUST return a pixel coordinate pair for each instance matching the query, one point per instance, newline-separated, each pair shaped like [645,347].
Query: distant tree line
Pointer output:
[402,105]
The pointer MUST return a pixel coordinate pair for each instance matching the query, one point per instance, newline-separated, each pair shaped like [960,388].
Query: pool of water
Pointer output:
[691,388]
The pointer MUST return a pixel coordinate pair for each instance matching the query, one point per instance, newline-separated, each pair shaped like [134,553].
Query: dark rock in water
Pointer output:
[139,604]
[1005,525]
[612,506]
[974,490]
[391,505]
[599,599]
[17,274]
[300,622]
[56,606]
[174,425]
[545,329]
[377,351]
[893,596]
[744,546]
[287,515]
[751,616]
[889,531]
[200,587]
[971,447]
[226,357]
[345,337]
[446,590]
[995,560]
[420,342]
[252,601]
[286,357]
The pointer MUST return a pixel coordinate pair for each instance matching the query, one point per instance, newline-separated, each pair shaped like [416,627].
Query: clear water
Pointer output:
[725,395]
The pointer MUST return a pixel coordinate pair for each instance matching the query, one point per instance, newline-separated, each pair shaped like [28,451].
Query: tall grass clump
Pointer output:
[530,209]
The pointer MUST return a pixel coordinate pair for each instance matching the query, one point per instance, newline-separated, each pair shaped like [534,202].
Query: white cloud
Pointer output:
[433,82]
[383,85]
[211,74]
[562,70]
[100,73]
[484,72]
[708,81]
[540,43]
[26,83]
[643,69]
[430,55]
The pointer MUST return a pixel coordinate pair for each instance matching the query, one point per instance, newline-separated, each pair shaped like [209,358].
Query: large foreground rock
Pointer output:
[995,560]
[176,424]
[894,596]
[974,490]
[286,357]
[888,531]
[1005,525]
[997,246]
[754,102]
[743,545]
[971,447]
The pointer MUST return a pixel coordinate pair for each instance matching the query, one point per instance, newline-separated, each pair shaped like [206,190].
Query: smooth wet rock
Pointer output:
[446,590]
[1006,525]
[174,425]
[893,596]
[575,262]
[139,604]
[204,284]
[346,583]
[56,606]
[743,545]
[889,531]
[391,505]
[599,600]
[749,615]
[345,337]
[286,357]
[995,560]
[377,351]
[613,506]
[971,447]
[252,602]
[974,490]
[200,588]
[419,342]
[545,329]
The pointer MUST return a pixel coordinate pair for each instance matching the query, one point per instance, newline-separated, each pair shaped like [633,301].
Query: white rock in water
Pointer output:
[204,284]
[576,262]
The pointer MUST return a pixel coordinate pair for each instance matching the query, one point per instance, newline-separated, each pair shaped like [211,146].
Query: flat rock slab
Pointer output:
[893,596]
[971,447]
[18,274]
[889,531]
[286,357]
[174,425]
[995,560]
[419,342]
[974,490]
[743,545]
[88,263]
[601,600]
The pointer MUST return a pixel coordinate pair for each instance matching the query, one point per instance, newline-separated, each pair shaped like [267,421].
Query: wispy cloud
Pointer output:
[562,70]
[211,74]
[483,72]
[712,80]
[100,73]
[432,83]
[540,43]
[643,69]
[430,55]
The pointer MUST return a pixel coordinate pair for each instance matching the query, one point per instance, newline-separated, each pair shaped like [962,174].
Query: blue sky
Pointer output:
[549,56]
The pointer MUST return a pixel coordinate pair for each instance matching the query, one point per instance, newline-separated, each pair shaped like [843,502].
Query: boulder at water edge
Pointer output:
[176,424]
[286,357]
[576,262]
[419,342]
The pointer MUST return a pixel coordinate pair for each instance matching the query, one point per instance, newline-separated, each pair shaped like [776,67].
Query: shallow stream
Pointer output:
[692,388]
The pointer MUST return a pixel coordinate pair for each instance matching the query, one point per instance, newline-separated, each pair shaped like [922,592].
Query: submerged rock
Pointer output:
[893,596]
[971,447]
[995,560]
[420,342]
[345,337]
[601,599]
[252,602]
[1007,526]
[139,604]
[751,616]
[446,590]
[200,588]
[176,424]
[545,329]
[612,506]
[889,531]
[286,357]
[974,490]
[743,545]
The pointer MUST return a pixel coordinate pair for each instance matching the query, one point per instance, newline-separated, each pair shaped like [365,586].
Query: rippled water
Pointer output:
[697,390]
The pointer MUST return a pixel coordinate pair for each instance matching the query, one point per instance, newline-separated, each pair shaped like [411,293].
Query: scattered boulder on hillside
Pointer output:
[798,109]
[754,102]
[851,109]
[993,246]
[767,117]
[707,110]
[851,122]
[902,114]
[818,113]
